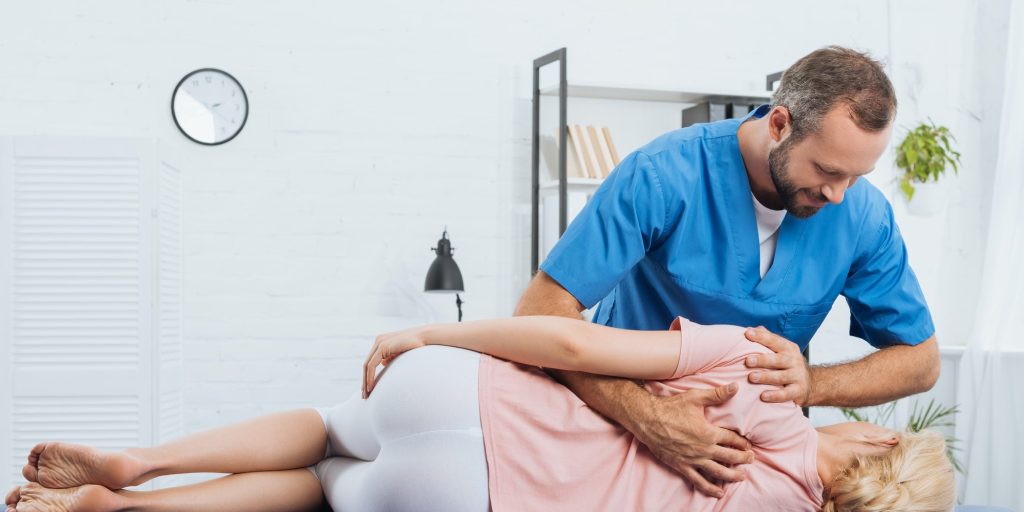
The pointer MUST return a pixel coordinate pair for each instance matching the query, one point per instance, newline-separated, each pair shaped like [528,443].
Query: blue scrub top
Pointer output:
[672,232]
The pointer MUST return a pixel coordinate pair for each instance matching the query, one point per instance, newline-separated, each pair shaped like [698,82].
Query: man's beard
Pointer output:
[778,168]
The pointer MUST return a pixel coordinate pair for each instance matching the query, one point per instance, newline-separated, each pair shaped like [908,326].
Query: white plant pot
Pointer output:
[929,198]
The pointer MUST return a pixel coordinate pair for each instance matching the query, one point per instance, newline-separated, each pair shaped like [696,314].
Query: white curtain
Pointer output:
[991,374]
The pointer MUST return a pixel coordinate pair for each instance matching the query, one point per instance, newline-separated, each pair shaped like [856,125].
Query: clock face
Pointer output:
[209,106]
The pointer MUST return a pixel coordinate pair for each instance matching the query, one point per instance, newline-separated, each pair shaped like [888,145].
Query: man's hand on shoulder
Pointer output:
[788,368]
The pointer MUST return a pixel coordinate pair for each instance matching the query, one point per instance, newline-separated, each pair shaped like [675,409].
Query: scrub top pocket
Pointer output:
[800,325]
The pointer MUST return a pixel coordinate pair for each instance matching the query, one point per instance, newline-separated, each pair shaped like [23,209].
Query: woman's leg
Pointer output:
[287,440]
[418,435]
[294,490]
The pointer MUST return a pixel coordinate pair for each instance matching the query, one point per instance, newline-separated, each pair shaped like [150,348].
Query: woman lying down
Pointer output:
[445,428]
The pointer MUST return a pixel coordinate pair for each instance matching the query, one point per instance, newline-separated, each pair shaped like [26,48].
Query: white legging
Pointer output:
[415,444]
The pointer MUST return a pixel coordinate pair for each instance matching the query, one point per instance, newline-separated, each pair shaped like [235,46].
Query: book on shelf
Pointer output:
[604,158]
[580,153]
[549,150]
[590,153]
[611,146]
[588,157]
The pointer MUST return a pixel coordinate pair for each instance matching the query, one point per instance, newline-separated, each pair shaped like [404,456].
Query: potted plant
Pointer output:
[923,156]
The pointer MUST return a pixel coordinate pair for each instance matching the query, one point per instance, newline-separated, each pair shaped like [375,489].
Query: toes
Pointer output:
[28,498]
[12,496]
[30,472]
[35,453]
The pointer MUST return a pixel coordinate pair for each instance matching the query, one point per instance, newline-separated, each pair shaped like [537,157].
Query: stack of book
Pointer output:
[590,154]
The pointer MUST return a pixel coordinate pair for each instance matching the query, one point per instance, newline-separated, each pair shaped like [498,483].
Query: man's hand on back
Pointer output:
[677,433]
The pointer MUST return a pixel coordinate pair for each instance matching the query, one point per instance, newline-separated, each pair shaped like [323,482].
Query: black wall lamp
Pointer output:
[444,275]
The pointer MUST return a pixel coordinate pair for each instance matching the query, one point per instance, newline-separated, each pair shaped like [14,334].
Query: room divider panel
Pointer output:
[90,294]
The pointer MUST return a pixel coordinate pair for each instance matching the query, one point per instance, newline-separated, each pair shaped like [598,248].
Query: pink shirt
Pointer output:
[546,450]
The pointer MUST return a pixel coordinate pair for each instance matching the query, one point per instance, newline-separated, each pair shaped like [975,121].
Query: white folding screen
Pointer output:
[168,309]
[90,294]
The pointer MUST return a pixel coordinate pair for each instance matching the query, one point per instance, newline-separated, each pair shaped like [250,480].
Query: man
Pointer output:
[758,221]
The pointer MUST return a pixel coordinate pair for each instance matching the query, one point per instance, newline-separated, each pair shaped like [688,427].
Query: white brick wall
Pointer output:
[372,126]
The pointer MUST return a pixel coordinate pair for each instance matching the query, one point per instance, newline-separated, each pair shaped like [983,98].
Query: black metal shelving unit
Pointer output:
[563,96]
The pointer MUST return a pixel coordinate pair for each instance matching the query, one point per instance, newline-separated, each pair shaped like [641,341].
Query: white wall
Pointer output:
[374,125]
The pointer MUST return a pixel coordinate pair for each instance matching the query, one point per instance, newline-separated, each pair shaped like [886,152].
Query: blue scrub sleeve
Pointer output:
[887,306]
[621,222]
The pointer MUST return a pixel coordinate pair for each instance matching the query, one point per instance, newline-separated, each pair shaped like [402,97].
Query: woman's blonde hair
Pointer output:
[915,476]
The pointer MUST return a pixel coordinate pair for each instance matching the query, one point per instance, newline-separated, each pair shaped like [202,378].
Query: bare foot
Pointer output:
[87,498]
[12,498]
[64,465]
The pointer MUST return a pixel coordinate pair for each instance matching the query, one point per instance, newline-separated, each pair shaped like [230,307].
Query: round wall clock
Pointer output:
[209,106]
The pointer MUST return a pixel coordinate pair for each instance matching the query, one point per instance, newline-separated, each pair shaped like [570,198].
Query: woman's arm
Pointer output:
[566,344]
[546,341]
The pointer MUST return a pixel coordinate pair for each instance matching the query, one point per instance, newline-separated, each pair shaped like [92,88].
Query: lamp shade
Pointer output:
[444,275]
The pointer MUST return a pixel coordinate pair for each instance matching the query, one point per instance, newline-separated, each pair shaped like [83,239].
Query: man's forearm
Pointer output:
[620,400]
[883,376]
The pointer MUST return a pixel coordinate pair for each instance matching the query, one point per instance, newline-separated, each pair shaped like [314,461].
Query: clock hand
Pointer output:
[222,116]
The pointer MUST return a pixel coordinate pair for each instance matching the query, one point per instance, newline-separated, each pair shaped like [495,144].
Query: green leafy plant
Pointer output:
[924,154]
[933,415]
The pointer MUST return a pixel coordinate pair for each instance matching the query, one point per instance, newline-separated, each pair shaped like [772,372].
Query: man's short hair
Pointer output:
[832,76]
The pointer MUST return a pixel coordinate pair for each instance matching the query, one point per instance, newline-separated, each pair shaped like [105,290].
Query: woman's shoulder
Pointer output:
[710,346]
